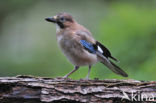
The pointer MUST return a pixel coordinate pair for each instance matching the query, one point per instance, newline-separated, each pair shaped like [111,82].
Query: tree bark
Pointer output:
[28,89]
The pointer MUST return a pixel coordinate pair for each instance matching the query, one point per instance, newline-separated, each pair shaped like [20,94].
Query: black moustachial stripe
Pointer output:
[60,24]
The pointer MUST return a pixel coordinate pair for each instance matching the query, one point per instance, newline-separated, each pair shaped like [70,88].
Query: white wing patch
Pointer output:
[100,50]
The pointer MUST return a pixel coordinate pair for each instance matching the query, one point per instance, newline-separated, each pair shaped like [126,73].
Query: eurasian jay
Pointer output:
[79,46]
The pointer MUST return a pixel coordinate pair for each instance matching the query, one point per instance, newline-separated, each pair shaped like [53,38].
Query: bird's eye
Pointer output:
[62,19]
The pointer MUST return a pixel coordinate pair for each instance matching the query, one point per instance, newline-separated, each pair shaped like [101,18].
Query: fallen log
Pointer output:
[28,89]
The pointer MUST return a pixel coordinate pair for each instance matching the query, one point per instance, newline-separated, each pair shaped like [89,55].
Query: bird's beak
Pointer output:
[51,19]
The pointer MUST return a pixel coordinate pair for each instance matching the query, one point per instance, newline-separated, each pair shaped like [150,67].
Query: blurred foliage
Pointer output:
[28,43]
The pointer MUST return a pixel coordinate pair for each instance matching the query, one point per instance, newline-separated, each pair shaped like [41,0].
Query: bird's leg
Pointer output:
[87,77]
[75,68]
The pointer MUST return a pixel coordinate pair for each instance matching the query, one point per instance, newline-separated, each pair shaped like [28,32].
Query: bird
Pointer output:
[79,46]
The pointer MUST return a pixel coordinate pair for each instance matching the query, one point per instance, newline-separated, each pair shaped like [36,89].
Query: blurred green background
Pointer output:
[28,43]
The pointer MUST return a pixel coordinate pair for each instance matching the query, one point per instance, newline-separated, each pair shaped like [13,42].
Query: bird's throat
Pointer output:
[58,28]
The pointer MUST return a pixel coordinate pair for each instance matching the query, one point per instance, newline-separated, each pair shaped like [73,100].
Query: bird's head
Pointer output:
[63,20]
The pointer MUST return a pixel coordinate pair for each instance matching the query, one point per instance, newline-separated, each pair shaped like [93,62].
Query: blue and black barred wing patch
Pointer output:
[88,46]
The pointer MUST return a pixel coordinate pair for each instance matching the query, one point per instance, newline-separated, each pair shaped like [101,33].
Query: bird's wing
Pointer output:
[88,46]
[85,35]
[97,48]
[87,40]
[102,53]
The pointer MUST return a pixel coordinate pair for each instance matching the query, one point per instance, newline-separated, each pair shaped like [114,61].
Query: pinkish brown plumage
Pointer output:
[79,46]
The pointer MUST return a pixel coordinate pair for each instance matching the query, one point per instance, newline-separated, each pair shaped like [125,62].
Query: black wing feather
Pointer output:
[106,52]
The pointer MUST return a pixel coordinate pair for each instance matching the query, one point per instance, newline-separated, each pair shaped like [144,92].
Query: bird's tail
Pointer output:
[114,68]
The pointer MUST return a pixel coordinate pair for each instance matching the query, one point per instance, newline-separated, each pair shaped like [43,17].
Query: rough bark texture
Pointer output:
[27,89]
